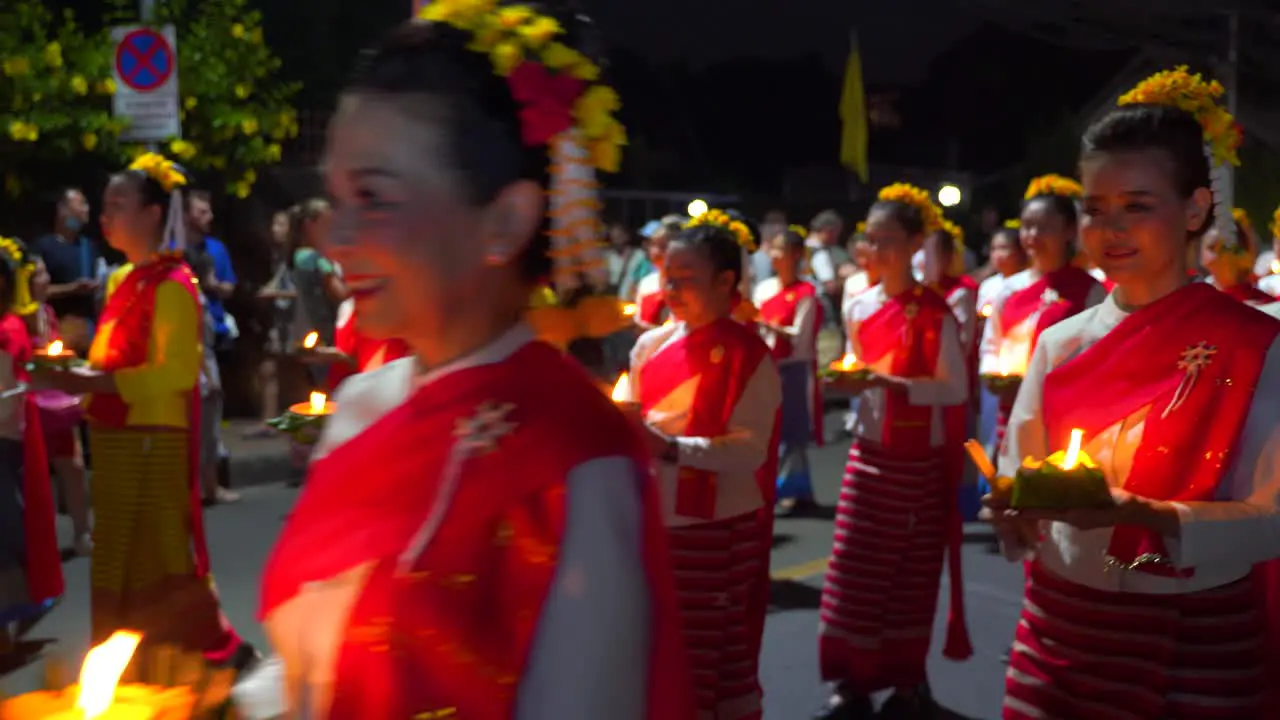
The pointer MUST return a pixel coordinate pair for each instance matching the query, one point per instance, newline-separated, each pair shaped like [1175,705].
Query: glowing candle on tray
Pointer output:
[1066,479]
[986,310]
[317,405]
[309,342]
[55,355]
[622,389]
[1072,457]
[629,310]
[1275,267]
[55,348]
[848,362]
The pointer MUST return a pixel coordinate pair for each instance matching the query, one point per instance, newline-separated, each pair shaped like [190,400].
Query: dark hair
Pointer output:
[905,214]
[1134,128]
[150,192]
[1062,206]
[825,220]
[946,246]
[300,216]
[720,245]
[1014,238]
[189,194]
[483,126]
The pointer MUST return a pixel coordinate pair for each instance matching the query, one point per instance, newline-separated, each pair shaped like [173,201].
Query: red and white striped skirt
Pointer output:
[881,589]
[1086,653]
[718,572]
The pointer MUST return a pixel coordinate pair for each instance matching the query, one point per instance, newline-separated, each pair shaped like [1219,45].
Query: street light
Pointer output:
[949,196]
[696,208]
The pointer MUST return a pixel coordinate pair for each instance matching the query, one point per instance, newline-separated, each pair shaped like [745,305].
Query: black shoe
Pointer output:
[846,706]
[245,659]
[917,705]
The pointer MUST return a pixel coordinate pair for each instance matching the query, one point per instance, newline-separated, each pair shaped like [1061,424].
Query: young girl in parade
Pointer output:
[503,554]
[710,396]
[60,419]
[1144,607]
[1049,291]
[1229,260]
[897,510]
[150,565]
[944,274]
[790,316]
[651,309]
[30,562]
[1008,258]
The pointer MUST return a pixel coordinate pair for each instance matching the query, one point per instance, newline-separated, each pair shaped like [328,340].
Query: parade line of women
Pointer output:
[485,534]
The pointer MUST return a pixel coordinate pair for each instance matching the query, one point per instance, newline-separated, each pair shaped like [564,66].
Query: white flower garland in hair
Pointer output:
[577,251]
[1223,202]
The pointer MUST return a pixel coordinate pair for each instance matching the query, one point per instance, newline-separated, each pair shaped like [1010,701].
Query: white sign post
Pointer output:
[145,68]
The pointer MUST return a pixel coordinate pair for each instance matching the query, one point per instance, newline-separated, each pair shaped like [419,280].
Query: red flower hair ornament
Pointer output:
[546,101]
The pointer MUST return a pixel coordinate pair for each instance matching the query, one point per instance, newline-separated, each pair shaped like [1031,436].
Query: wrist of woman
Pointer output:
[1156,516]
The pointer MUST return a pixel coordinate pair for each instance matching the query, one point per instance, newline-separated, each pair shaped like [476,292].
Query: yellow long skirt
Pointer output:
[143,574]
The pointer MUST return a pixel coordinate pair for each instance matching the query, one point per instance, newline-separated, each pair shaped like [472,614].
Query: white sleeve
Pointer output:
[950,382]
[745,446]
[992,336]
[823,266]
[965,307]
[591,650]
[803,327]
[1243,523]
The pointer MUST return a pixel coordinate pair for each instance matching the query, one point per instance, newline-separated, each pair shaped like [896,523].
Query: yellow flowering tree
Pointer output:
[55,90]
[236,111]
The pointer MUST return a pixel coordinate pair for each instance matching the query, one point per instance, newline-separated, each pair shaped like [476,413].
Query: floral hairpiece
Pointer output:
[1192,93]
[161,169]
[23,268]
[722,219]
[1053,184]
[861,227]
[1012,224]
[800,230]
[957,247]
[911,195]
[555,84]
[1242,218]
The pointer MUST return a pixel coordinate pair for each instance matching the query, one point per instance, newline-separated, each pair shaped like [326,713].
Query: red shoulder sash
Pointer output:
[910,326]
[1056,296]
[1192,355]
[1247,293]
[650,308]
[723,356]
[780,310]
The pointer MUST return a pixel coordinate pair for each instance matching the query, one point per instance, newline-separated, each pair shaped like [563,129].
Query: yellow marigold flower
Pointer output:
[506,56]
[1193,94]
[241,190]
[605,156]
[539,32]
[237,31]
[16,67]
[1242,217]
[53,55]
[1053,184]
[273,153]
[1013,224]
[486,39]
[159,168]
[912,195]
[249,126]
[21,131]
[513,16]
[89,141]
[106,86]
[594,108]
[182,149]
[557,56]
[79,85]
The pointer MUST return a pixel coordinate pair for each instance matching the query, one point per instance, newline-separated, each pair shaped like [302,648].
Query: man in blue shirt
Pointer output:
[211,262]
[75,269]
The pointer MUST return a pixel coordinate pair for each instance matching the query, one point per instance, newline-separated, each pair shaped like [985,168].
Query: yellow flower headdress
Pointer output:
[564,107]
[13,253]
[1012,224]
[1222,134]
[861,227]
[1053,184]
[171,177]
[722,219]
[911,195]
[800,230]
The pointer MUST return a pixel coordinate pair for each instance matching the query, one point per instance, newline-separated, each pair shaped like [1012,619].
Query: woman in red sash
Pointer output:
[790,316]
[1146,607]
[360,352]
[1049,291]
[651,308]
[478,535]
[710,395]
[30,563]
[150,565]
[897,510]
[1229,261]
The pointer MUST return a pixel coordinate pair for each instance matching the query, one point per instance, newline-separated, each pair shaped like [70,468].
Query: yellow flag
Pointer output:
[853,116]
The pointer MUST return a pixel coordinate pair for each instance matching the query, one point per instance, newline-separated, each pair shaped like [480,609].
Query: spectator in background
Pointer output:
[626,258]
[211,263]
[280,294]
[830,262]
[76,270]
[774,222]
[320,290]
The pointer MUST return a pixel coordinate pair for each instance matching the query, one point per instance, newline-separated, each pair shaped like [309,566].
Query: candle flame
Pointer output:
[101,672]
[318,400]
[629,309]
[311,339]
[622,389]
[849,362]
[986,310]
[1072,457]
[55,347]
[1275,267]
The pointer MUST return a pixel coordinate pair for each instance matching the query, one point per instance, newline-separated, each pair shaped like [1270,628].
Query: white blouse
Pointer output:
[1222,539]
[591,648]
[948,386]
[735,456]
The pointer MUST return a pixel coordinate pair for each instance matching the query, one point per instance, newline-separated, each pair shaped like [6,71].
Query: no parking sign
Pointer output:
[145,69]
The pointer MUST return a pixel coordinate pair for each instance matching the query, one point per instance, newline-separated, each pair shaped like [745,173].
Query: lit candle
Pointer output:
[1066,479]
[622,389]
[55,355]
[986,310]
[55,348]
[317,405]
[848,362]
[1275,267]
[629,310]
[309,342]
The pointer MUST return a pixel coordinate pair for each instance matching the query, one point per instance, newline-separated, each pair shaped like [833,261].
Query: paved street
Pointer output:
[240,536]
